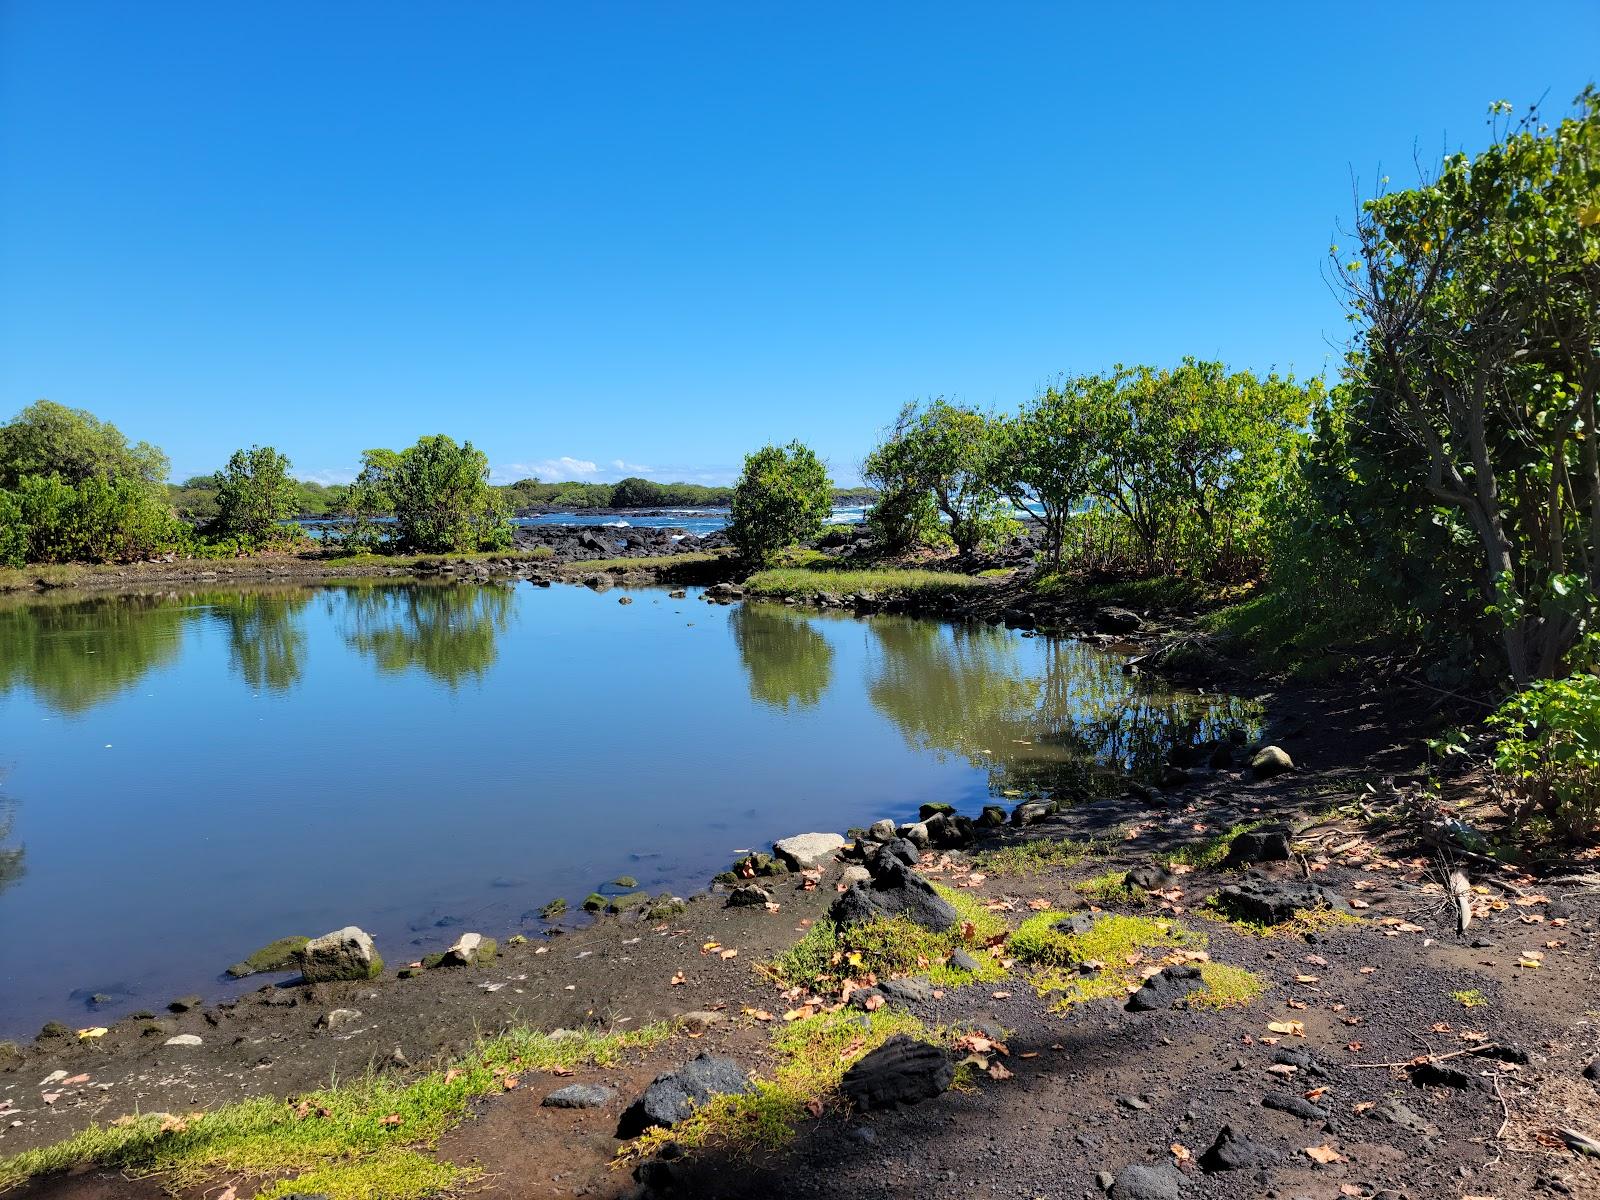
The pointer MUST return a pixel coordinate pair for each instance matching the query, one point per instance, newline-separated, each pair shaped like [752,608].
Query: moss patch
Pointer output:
[1035,857]
[814,1055]
[1470,998]
[829,954]
[280,955]
[352,1142]
[886,581]
[554,909]
[1106,961]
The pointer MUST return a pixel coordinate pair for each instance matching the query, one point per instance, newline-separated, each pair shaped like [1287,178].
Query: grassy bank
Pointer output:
[905,582]
[351,1142]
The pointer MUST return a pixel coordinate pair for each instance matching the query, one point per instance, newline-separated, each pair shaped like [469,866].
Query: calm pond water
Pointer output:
[185,777]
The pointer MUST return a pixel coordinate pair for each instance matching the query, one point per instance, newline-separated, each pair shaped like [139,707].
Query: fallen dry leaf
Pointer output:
[392,1119]
[1293,1028]
[678,980]
[1323,1154]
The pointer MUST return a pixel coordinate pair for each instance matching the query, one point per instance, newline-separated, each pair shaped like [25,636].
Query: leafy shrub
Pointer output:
[254,495]
[782,497]
[1548,752]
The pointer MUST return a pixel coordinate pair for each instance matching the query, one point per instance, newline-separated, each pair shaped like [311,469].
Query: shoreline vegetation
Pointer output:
[1360,940]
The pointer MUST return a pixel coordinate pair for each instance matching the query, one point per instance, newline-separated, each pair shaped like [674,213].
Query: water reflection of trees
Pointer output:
[266,635]
[1060,717]
[76,654]
[787,660]
[447,630]
[11,864]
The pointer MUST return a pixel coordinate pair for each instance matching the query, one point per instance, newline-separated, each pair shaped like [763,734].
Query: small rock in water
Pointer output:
[184,1004]
[347,953]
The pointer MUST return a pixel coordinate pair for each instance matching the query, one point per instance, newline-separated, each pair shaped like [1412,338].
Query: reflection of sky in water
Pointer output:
[186,777]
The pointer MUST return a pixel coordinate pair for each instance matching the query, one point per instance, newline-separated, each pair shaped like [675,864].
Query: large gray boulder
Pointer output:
[1270,761]
[347,953]
[673,1096]
[807,849]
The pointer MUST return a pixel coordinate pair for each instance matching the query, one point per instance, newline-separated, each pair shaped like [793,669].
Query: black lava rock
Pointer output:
[901,1071]
[1274,903]
[895,891]
[1165,988]
[673,1096]
[1268,844]
[1233,1151]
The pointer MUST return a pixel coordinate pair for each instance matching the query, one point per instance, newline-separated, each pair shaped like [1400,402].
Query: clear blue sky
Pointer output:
[662,234]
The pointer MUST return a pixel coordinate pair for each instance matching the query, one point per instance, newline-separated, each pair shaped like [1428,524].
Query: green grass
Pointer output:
[814,1055]
[352,1142]
[1034,857]
[1470,998]
[1112,888]
[1112,939]
[1227,986]
[885,581]
[1207,853]
[829,954]
[644,563]
[1311,920]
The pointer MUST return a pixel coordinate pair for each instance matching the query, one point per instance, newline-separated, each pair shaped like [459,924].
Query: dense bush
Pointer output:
[439,495]
[782,497]
[937,456]
[1548,752]
[1464,477]
[52,521]
[254,496]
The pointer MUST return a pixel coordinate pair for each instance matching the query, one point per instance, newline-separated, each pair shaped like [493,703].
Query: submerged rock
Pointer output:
[673,1096]
[901,1071]
[347,953]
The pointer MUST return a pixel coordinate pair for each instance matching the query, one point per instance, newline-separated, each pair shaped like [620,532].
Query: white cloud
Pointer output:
[328,476]
[549,470]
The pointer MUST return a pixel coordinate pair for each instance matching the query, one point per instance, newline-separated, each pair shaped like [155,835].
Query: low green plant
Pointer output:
[1111,938]
[1226,986]
[1112,888]
[814,1055]
[1209,852]
[1470,998]
[829,954]
[1548,751]
[906,582]
[1310,920]
[351,1142]
[1034,857]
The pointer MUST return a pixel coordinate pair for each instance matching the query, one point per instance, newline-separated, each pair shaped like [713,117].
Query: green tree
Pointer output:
[1190,457]
[634,492]
[1040,458]
[1476,301]
[73,444]
[782,497]
[439,494]
[254,495]
[942,451]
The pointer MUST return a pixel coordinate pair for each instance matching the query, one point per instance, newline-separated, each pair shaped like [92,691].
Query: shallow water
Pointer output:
[188,776]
